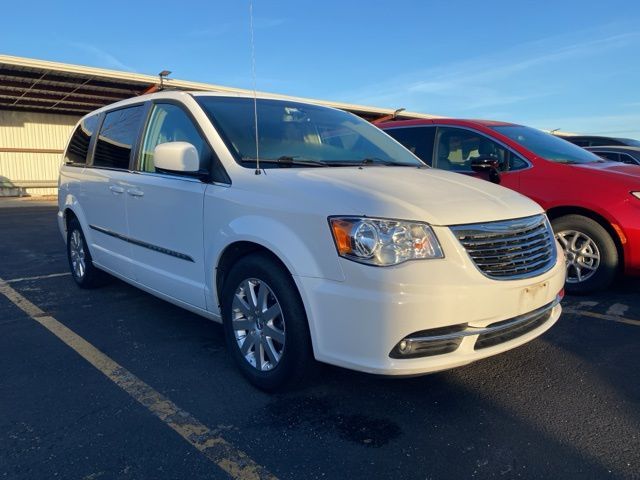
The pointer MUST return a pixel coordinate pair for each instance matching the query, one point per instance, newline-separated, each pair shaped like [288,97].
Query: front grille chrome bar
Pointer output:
[421,344]
[510,249]
[469,331]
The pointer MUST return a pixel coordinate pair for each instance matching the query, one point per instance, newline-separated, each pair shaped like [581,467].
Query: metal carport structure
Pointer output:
[40,101]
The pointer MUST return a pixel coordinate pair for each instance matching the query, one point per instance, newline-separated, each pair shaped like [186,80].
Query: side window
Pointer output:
[516,163]
[456,148]
[609,156]
[78,148]
[169,123]
[417,139]
[117,136]
[626,158]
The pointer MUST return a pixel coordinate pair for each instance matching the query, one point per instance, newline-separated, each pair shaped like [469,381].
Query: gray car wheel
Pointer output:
[591,255]
[265,323]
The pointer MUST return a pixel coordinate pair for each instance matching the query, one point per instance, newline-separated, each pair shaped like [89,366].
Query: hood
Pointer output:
[434,196]
[613,171]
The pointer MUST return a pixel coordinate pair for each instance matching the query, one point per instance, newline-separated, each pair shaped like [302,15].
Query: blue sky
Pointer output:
[573,65]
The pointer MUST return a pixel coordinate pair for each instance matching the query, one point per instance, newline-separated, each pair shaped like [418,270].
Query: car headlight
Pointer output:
[383,242]
[636,194]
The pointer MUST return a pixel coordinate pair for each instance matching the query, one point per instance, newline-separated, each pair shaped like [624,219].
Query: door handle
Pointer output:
[135,192]
[116,189]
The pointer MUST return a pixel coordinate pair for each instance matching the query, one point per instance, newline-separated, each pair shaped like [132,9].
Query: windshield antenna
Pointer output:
[255,96]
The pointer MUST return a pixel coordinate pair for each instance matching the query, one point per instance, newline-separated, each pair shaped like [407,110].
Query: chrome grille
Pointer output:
[510,249]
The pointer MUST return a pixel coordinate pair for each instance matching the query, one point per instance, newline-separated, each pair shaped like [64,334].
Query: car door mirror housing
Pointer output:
[487,164]
[181,157]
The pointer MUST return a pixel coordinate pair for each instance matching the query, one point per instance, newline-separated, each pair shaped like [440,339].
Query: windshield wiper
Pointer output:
[377,161]
[287,160]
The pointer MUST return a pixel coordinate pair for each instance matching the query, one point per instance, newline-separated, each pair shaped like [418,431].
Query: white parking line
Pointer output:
[601,316]
[618,310]
[39,277]
[237,464]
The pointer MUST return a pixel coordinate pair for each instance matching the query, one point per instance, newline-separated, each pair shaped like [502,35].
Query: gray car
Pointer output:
[618,153]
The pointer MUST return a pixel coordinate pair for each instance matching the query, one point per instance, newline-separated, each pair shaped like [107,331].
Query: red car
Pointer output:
[593,204]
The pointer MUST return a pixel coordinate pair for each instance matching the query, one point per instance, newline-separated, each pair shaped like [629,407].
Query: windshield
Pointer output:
[546,145]
[298,134]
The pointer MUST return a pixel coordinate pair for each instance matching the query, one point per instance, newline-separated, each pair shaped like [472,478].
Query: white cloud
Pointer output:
[493,80]
[625,125]
[104,57]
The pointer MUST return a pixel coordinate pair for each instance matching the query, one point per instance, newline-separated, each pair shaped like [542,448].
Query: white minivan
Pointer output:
[309,233]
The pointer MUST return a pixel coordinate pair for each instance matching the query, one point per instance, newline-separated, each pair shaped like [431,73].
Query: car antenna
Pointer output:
[255,96]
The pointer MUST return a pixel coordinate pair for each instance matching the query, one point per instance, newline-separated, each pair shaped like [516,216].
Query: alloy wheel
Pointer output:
[258,324]
[581,253]
[76,250]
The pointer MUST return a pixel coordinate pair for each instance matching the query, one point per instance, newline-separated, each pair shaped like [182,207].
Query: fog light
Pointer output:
[426,343]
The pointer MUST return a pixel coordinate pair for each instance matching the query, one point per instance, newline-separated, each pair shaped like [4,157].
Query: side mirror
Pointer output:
[181,157]
[487,164]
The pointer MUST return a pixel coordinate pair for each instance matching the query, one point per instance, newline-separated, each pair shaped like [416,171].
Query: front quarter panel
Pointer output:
[302,242]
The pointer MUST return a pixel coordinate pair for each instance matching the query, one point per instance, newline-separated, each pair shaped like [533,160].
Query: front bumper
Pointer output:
[359,322]
[626,223]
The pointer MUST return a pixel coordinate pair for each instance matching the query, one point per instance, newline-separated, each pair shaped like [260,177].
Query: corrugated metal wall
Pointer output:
[26,130]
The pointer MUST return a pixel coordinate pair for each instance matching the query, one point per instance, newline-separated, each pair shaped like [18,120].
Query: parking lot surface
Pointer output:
[114,383]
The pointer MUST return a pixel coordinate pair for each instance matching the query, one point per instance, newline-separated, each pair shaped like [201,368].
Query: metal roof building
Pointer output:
[40,102]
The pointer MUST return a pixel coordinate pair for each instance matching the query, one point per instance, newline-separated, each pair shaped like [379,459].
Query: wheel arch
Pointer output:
[234,252]
[71,210]
[304,251]
[239,249]
[68,215]
[560,211]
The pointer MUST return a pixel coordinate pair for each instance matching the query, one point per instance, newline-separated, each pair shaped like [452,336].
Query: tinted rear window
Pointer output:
[419,140]
[547,146]
[78,148]
[117,136]
[613,156]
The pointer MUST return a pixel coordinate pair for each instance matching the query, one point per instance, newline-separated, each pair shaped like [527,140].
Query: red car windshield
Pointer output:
[546,145]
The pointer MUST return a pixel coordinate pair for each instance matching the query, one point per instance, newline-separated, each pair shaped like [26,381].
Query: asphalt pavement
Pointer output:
[566,405]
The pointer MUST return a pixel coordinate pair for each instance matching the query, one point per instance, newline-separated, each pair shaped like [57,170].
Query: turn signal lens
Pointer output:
[382,242]
[342,235]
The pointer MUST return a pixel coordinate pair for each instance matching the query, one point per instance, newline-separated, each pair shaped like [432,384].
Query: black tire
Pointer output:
[296,360]
[609,259]
[91,277]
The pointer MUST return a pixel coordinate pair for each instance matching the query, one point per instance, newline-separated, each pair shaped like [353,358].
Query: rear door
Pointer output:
[418,139]
[165,210]
[613,156]
[103,195]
